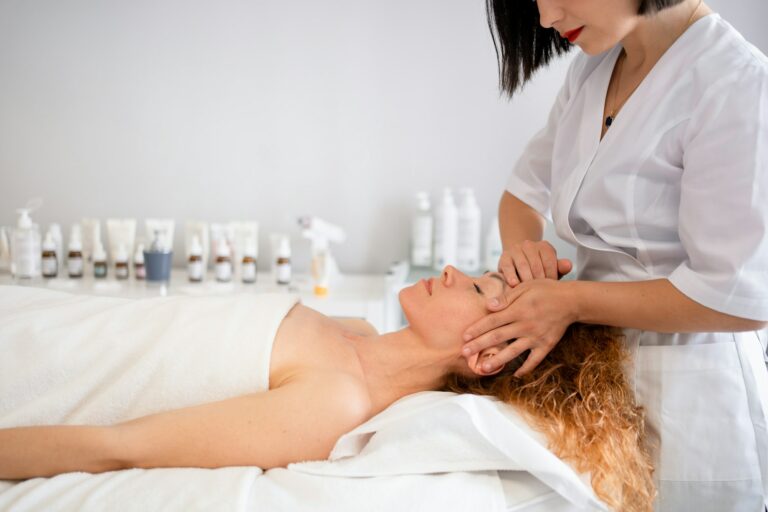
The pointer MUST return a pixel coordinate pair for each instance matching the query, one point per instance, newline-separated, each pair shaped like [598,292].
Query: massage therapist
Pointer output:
[654,164]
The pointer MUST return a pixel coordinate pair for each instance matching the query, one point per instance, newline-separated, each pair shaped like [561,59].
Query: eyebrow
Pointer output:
[499,277]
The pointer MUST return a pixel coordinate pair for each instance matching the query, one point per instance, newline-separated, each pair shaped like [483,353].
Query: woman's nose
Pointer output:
[449,274]
[549,13]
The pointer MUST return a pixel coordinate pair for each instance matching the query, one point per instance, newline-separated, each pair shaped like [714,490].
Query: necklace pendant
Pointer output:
[608,121]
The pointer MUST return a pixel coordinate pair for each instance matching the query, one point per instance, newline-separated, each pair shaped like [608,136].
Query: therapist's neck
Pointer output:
[655,34]
[399,363]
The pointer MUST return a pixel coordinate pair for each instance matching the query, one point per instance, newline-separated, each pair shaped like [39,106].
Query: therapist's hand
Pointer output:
[532,260]
[535,314]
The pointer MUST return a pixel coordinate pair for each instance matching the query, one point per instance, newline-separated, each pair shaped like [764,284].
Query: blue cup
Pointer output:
[158,265]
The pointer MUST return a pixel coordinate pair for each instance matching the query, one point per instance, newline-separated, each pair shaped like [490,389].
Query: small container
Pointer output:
[248,267]
[158,261]
[223,265]
[283,261]
[195,264]
[121,263]
[99,261]
[75,255]
[50,264]
[139,271]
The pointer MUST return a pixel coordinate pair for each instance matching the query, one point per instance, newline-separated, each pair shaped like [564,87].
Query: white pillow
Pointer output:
[437,432]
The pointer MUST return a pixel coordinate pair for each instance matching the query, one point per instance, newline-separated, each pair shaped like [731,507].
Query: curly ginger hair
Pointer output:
[580,399]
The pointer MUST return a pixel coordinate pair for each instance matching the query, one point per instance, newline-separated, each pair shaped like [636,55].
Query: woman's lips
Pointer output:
[572,35]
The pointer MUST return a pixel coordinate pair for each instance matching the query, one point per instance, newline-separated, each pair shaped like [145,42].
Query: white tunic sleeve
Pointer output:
[723,215]
[530,180]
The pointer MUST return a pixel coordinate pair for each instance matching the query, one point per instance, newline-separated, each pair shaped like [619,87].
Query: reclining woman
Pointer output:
[326,376]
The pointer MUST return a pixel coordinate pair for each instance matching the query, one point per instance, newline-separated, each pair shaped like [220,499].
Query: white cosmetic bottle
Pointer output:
[25,247]
[493,247]
[446,231]
[469,233]
[422,226]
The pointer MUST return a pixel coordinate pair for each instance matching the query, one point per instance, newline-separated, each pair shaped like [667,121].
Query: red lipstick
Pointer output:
[572,35]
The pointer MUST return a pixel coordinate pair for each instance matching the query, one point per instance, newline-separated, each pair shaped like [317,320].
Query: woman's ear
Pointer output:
[475,362]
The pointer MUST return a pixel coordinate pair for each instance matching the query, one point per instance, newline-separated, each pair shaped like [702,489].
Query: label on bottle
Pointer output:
[50,266]
[100,269]
[75,267]
[223,270]
[195,270]
[283,273]
[248,271]
[421,241]
[140,271]
[121,272]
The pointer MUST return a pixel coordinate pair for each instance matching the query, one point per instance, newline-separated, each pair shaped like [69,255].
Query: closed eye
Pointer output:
[477,288]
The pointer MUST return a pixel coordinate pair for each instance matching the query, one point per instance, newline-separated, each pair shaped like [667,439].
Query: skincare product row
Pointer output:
[234,247]
[448,234]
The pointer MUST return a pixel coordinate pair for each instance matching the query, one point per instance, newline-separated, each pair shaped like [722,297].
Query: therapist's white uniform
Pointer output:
[677,189]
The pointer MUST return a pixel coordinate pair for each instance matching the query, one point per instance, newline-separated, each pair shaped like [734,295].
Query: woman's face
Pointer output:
[594,25]
[440,309]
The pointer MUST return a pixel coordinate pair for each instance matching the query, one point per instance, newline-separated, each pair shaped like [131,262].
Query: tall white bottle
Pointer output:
[26,251]
[493,247]
[446,231]
[469,233]
[421,232]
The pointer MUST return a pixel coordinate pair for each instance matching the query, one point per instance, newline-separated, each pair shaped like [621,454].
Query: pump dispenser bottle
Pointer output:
[421,232]
[25,247]
[469,232]
[446,227]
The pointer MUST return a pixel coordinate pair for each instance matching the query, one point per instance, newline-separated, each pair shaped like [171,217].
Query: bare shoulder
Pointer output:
[357,326]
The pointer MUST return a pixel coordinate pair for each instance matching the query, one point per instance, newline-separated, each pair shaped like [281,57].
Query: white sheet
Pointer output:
[430,451]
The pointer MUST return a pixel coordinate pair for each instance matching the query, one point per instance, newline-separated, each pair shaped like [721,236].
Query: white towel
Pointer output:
[75,359]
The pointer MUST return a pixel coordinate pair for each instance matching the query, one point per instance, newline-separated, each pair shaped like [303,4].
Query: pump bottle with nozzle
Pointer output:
[321,234]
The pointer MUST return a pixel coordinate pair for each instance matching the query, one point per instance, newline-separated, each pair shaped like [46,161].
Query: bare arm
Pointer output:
[650,305]
[518,222]
[298,421]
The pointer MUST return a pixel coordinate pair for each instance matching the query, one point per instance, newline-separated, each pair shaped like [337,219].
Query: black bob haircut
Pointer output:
[523,45]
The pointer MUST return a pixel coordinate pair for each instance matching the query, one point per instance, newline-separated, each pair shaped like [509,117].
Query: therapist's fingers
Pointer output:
[507,354]
[501,332]
[536,356]
[564,266]
[548,258]
[522,266]
[507,269]
[532,251]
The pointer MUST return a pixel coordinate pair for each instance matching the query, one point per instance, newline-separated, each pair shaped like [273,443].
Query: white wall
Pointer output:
[263,110]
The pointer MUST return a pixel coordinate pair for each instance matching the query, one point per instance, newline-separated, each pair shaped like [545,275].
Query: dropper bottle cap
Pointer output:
[196,249]
[138,257]
[122,254]
[98,252]
[222,250]
[49,244]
